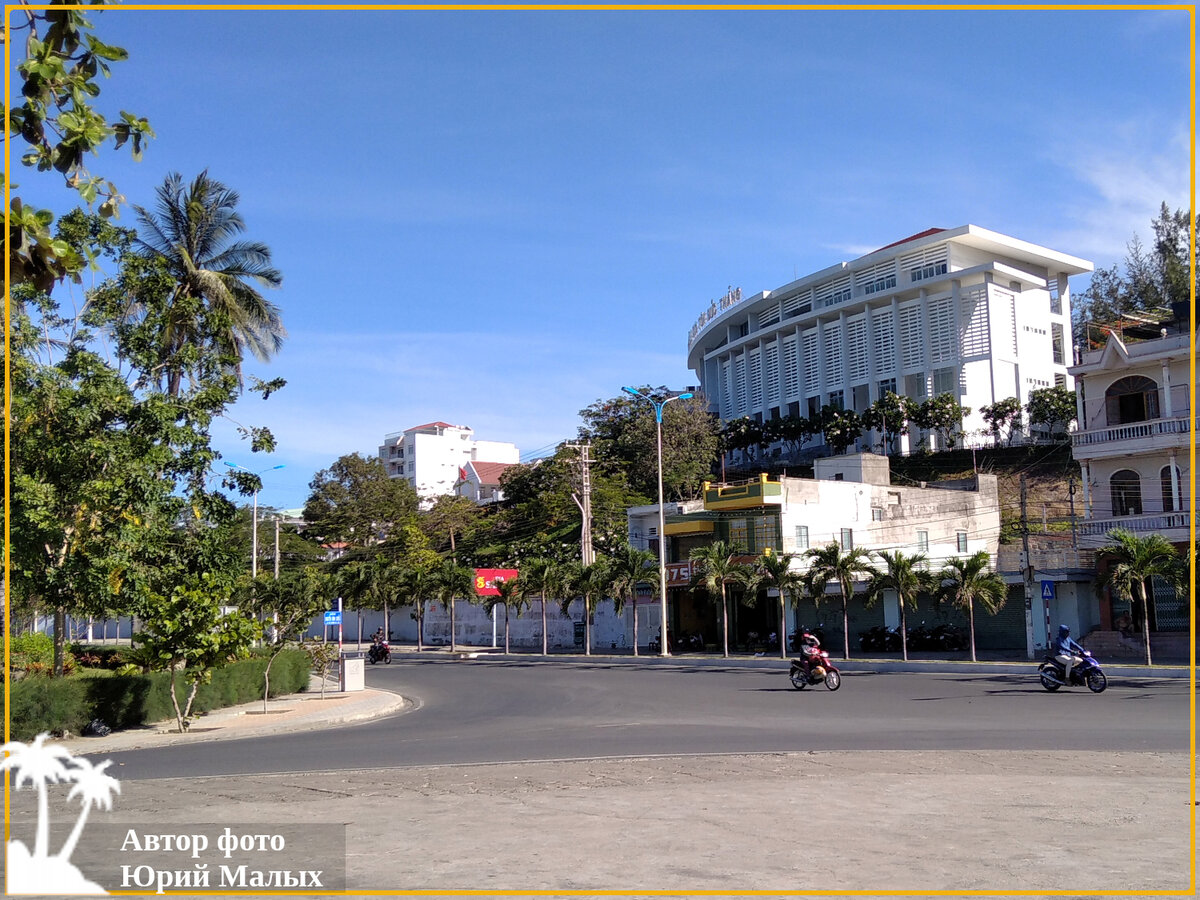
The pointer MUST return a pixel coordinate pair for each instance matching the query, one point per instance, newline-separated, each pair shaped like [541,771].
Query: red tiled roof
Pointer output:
[489,472]
[912,237]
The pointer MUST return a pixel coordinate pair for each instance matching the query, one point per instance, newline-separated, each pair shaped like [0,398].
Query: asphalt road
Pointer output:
[495,710]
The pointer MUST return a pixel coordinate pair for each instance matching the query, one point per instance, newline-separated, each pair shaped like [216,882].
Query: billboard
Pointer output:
[485,580]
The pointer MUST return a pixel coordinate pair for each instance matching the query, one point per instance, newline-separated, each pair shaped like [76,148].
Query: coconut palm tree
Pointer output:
[415,585]
[545,578]
[95,788]
[969,581]
[630,568]
[38,763]
[591,582]
[830,563]
[715,567]
[451,582]
[774,571]
[193,230]
[1132,561]
[905,574]
[511,594]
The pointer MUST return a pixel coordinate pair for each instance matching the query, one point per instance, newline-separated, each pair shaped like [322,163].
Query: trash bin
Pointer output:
[351,669]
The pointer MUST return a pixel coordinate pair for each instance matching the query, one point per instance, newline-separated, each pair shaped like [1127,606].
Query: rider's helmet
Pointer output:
[1064,631]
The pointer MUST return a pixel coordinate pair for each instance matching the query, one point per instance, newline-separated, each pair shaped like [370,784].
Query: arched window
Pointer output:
[1164,476]
[1126,489]
[1131,399]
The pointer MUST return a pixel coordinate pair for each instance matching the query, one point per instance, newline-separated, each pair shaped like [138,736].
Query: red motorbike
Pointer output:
[814,670]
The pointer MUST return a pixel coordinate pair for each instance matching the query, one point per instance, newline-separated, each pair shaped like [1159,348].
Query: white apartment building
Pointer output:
[966,311]
[433,456]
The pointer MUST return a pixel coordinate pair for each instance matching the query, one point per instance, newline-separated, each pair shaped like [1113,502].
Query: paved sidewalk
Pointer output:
[293,712]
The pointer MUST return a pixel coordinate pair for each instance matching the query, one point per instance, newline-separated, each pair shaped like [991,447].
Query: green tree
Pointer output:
[192,231]
[841,427]
[715,567]
[449,517]
[1053,407]
[773,571]
[355,501]
[794,431]
[746,435]
[905,575]
[451,582]
[512,595]
[622,431]
[890,415]
[970,581]
[943,415]
[59,123]
[546,578]
[415,583]
[632,567]
[1001,416]
[831,563]
[590,582]
[187,630]
[1130,560]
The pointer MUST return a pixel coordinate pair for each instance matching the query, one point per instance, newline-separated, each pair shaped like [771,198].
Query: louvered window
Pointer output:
[832,341]
[883,336]
[726,391]
[832,292]
[1004,310]
[756,391]
[772,374]
[926,264]
[769,316]
[942,334]
[856,349]
[791,371]
[739,385]
[812,370]
[912,338]
[878,278]
[976,341]
[797,304]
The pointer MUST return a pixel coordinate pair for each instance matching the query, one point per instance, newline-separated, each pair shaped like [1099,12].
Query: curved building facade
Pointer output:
[964,311]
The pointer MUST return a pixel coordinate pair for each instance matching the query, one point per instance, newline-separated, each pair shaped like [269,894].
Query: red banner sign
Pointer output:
[485,580]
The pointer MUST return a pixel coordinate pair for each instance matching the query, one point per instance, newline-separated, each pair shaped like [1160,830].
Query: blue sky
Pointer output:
[497,218]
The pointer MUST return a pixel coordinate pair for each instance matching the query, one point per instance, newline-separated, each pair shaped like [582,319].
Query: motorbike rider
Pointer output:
[377,642]
[1064,651]
[808,650]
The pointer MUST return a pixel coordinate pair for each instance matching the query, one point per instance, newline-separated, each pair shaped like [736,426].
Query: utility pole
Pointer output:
[587,552]
[277,548]
[1028,567]
[1071,494]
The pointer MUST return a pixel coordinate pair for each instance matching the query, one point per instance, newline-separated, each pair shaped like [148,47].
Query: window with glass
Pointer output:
[876,513]
[961,539]
[801,537]
[1125,489]
[739,534]
[922,541]
[846,539]
[888,385]
[837,399]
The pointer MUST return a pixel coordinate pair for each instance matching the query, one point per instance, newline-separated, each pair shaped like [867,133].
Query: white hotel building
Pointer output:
[964,311]
[434,457]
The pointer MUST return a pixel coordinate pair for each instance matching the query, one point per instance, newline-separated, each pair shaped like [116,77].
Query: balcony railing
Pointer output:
[1011,559]
[1132,432]
[1153,522]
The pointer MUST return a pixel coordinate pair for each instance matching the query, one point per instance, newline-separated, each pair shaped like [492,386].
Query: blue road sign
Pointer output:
[1048,590]
[333,617]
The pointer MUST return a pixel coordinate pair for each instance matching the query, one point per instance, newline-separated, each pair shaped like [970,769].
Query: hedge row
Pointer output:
[60,705]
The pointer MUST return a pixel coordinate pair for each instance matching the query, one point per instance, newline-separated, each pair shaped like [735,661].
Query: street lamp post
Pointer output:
[254,521]
[662,537]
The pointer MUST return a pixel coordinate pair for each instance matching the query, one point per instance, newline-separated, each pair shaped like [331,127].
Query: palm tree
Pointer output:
[192,231]
[1132,561]
[545,578]
[774,571]
[512,595]
[716,567]
[37,763]
[450,582]
[95,788]
[631,567]
[591,582]
[830,563]
[415,585]
[970,580]
[903,573]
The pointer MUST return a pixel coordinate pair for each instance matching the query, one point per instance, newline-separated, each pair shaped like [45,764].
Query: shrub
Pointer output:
[59,705]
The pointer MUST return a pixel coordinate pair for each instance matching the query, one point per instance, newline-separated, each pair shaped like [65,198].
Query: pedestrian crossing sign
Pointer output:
[1048,590]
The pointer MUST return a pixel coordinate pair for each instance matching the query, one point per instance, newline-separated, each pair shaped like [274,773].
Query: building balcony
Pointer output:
[755,492]
[1174,526]
[1011,560]
[1155,435]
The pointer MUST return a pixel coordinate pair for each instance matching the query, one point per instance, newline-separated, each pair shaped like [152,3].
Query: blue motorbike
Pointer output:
[1052,674]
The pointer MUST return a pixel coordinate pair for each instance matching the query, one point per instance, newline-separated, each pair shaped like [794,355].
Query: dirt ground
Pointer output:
[805,823]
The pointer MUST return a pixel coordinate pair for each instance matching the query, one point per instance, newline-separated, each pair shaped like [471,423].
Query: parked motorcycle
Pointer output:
[819,669]
[1088,673]
[879,637]
[379,652]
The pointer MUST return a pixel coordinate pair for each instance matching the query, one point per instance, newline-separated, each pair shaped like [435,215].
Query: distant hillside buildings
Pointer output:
[439,459]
